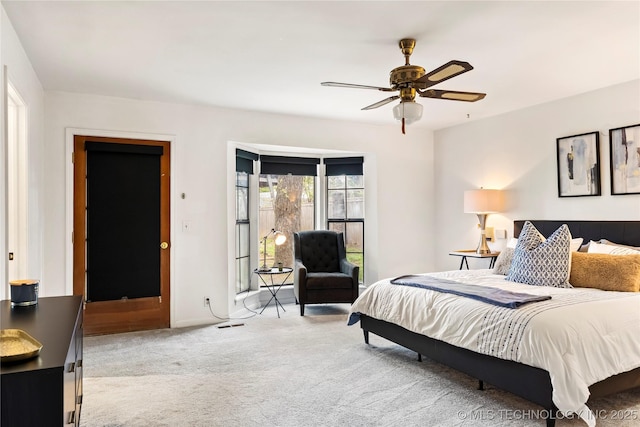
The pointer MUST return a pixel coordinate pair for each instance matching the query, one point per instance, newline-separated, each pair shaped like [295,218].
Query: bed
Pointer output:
[533,371]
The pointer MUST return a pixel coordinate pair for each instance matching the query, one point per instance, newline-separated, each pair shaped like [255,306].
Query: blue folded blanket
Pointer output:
[486,294]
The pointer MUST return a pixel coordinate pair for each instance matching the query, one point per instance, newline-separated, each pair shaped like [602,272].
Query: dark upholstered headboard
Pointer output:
[623,232]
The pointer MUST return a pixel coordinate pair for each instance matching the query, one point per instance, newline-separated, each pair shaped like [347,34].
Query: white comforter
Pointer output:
[580,336]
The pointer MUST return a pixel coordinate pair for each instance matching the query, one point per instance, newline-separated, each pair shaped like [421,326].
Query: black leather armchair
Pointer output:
[321,271]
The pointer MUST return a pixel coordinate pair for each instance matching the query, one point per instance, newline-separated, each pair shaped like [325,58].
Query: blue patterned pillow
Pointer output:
[541,262]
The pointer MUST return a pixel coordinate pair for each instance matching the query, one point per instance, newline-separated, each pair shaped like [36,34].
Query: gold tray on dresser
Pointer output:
[16,344]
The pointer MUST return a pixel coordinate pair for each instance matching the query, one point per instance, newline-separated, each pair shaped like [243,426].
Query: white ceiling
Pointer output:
[271,56]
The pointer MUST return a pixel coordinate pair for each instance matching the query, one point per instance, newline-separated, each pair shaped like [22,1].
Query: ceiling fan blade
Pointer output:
[381,103]
[351,85]
[452,95]
[442,73]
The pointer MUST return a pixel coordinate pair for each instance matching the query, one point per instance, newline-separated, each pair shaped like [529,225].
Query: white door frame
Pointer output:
[17,184]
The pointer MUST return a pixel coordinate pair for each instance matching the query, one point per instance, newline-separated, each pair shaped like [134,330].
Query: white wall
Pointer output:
[398,206]
[22,76]
[517,152]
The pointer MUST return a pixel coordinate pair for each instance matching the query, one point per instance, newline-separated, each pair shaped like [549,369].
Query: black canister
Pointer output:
[24,292]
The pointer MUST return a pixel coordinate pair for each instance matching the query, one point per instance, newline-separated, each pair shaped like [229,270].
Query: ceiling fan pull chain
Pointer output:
[403,125]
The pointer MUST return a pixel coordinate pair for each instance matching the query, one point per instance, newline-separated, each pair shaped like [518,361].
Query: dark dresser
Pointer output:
[45,390]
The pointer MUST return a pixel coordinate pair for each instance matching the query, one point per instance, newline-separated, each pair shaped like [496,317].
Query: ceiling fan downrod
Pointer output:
[406,46]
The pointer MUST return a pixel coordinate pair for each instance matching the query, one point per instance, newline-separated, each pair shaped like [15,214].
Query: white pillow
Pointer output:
[576,243]
[601,248]
[608,242]
[503,262]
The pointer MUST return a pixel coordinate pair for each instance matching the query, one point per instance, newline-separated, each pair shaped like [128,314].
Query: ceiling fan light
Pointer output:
[411,111]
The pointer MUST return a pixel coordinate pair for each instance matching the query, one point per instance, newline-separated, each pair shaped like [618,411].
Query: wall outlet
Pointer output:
[207,301]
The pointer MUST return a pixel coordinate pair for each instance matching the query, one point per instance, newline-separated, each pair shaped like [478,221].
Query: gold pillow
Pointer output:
[605,271]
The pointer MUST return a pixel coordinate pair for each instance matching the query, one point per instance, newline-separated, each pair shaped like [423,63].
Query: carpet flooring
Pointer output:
[294,371]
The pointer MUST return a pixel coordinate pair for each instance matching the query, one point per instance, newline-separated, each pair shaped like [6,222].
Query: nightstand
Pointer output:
[473,254]
[273,287]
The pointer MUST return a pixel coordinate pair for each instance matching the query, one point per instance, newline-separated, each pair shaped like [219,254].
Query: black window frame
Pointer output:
[244,165]
[345,166]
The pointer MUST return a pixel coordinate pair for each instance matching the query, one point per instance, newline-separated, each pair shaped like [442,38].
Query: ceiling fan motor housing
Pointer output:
[401,76]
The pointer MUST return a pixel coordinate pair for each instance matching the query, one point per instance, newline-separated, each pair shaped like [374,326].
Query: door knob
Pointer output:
[164,245]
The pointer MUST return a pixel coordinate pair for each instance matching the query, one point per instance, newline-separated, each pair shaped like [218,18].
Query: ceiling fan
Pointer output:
[411,80]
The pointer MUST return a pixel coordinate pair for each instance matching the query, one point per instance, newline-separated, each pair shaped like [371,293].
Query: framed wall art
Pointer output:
[624,149]
[579,165]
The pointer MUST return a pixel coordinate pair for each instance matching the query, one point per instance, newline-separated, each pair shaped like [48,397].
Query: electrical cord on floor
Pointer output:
[245,305]
[234,318]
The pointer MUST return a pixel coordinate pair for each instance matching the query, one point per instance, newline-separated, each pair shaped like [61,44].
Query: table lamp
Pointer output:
[483,202]
[280,239]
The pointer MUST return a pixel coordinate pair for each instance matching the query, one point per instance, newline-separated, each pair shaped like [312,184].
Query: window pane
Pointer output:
[243,240]
[355,208]
[243,275]
[334,182]
[357,258]
[337,226]
[355,181]
[237,230]
[354,237]
[238,276]
[242,179]
[336,204]
[242,203]
[354,243]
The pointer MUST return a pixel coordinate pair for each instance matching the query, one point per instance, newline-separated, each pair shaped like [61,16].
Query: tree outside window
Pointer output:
[286,205]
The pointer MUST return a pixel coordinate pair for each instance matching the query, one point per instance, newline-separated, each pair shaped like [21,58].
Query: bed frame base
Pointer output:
[532,384]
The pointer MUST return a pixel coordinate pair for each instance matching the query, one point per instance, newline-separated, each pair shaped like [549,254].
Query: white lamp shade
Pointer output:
[483,201]
[410,110]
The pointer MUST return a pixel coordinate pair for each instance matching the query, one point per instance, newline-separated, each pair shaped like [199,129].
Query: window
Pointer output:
[244,168]
[287,203]
[345,205]
[286,194]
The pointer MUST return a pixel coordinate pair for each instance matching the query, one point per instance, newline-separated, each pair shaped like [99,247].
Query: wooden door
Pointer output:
[121,246]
